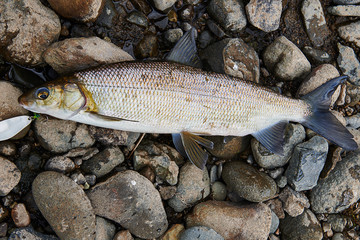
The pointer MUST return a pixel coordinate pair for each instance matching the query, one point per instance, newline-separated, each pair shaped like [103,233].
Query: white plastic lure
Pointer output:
[12,126]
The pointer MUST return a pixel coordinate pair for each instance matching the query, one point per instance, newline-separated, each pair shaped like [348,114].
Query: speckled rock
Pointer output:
[60,136]
[228,147]
[138,18]
[105,230]
[346,1]
[163,5]
[76,54]
[340,189]
[229,13]
[80,10]
[233,57]
[64,205]
[353,121]
[113,137]
[348,63]
[351,32]
[147,47]
[60,164]
[20,215]
[132,201]
[294,202]
[123,235]
[294,134]
[7,148]
[174,232]
[339,222]
[29,233]
[345,11]
[103,162]
[264,15]
[317,56]
[9,101]
[248,182]
[286,60]
[232,221]
[18,42]
[9,176]
[173,35]
[201,233]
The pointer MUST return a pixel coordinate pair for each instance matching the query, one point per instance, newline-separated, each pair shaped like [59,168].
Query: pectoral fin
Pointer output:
[188,144]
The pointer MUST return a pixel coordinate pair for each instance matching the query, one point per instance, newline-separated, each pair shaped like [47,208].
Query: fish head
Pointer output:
[62,99]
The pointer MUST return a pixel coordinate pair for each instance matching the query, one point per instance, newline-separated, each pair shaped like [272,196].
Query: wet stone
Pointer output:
[9,101]
[30,234]
[138,18]
[201,233]
[294,202]
[9,176]
[60,164]
[349,64]
[351,32]
[264,15]
[317,56]
[20,215]
[105,230]
[173,35]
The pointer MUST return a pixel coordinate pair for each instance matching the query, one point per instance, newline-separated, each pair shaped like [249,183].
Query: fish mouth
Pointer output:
[22,100]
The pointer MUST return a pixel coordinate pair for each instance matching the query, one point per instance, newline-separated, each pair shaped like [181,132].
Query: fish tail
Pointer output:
[322,121]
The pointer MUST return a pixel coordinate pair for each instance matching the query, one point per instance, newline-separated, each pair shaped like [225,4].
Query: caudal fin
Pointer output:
[322,121]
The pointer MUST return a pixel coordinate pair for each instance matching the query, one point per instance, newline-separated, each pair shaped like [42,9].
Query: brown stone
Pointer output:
[20,215]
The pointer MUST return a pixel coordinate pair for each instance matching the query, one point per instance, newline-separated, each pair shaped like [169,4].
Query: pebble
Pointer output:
[138,18]
[60,136]
[340,189]
[60,164]
[114,137]
[75,54]
[218,191]
[134,203]
[274,222]
[205,39]
[233,57]
[194,185]
[315,22]
[281,182]
[90,179]
[9,176]
[349,64]
[142,5]
[123,235]
[30,234]
[230,14]
[345,11]
[161,158]
[20,45]
[148,173]
[9,101]
[200,233]
[304,227]
[173,35]
[306,163]
[7,148]
[174,232]
[167,192]
[351,32]
[20,215]
[276,206]
[317,56]
[147,47]
[187,13]
[232,221]
[64,205]
[163,5]
[228,147]
[215,29]
[105,230]
[248,182]
[338,222]
[275,173]
[264,15]
[80,10]
[294,134]
[285,60]
[78,178]
[339,236]
[353,121]
[103,162]
[294,202]
[334,156]
[345,2]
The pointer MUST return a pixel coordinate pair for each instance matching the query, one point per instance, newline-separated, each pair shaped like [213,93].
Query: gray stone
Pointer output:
[60,136]
[281,182]
[306,163]
[345,11]
[248,182]
[9,101]
[163,5]
[78,178]
[315,22]
[346,2]
[317,56]
[200,233]
[18,22]
[340,189]
[194,185]
[274,222]
[114,137]
[138,18]
[105,230]
[353,121]
[294,134]
[264,14]
[339,236]
[229,13]
[275,173]
[29,233]
[103,162]
[218,191]
[123,235]
[338,222]
[232,221]
[9,176]
[167,192]
[173,35]
[64,205]
[215,29]
[351,32]
[304,227]
[349,64]
[294,202]
[233,57]
[132,201]
[285,60]
[205,39]
[60,164]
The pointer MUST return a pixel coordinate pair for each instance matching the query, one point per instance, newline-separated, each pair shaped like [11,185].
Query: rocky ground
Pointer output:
[61,179]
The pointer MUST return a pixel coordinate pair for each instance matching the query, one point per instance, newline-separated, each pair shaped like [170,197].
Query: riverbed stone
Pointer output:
[105,230]
[163,5]
[349,64]
[294,202]
[64,205]
[60,164]
[20,215]
[200,233]
[9,176]
[113,137]
[351,32]
[29,233]
[317,56]
[345,10]
[9,101]
[264,15]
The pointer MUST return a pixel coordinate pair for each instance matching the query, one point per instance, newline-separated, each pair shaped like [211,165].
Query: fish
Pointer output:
[167,97]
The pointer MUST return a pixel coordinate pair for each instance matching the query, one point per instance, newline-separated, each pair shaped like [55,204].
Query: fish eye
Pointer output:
[42,93]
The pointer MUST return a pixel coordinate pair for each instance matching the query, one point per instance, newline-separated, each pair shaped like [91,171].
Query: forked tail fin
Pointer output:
[322,121]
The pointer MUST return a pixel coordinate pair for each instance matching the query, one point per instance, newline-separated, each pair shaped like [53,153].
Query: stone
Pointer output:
[75,54]
[80,10]
[274,222]
[60,164]
[205,39]
[103,162]
[9,176]
[142,5]
[285,60]
[60,136]
[123,235]
[18,42]
[138,18]
[233,57]
[353,121]
[30,234]
[275,173]
[294,202]
[218,191]
[20,215]
[345,11]
[9,101]
[114,137]
[105,230]
[167,192]
[306,163]
[334,156]
[317,56]
[338,222]
[7,148]
[3,229]
[228,147]
[201,233]
[147,47]
[339,236]
[248,182]
[194,185]
[64,205]
[315,22]
[294,134]
[173,35]
[187,13]
[340,189]
[304,227]
[232,221]
[173,232]
[78,178]
[346,1]
[215,29]
[264,15]
[349,64]
[351,32]
[276,206]
[163,5]
[132,201]
[229,14]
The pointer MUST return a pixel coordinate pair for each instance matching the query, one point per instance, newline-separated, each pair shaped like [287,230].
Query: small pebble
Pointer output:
[174,232]
[3,229]
[173,35]
[90,179]
[200,233]
[167,192]
[7,148]
[218,191]
[123,235]
[78,178]
[20,215]
[276,173]
[60,164]
[10,176]
[294,202]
